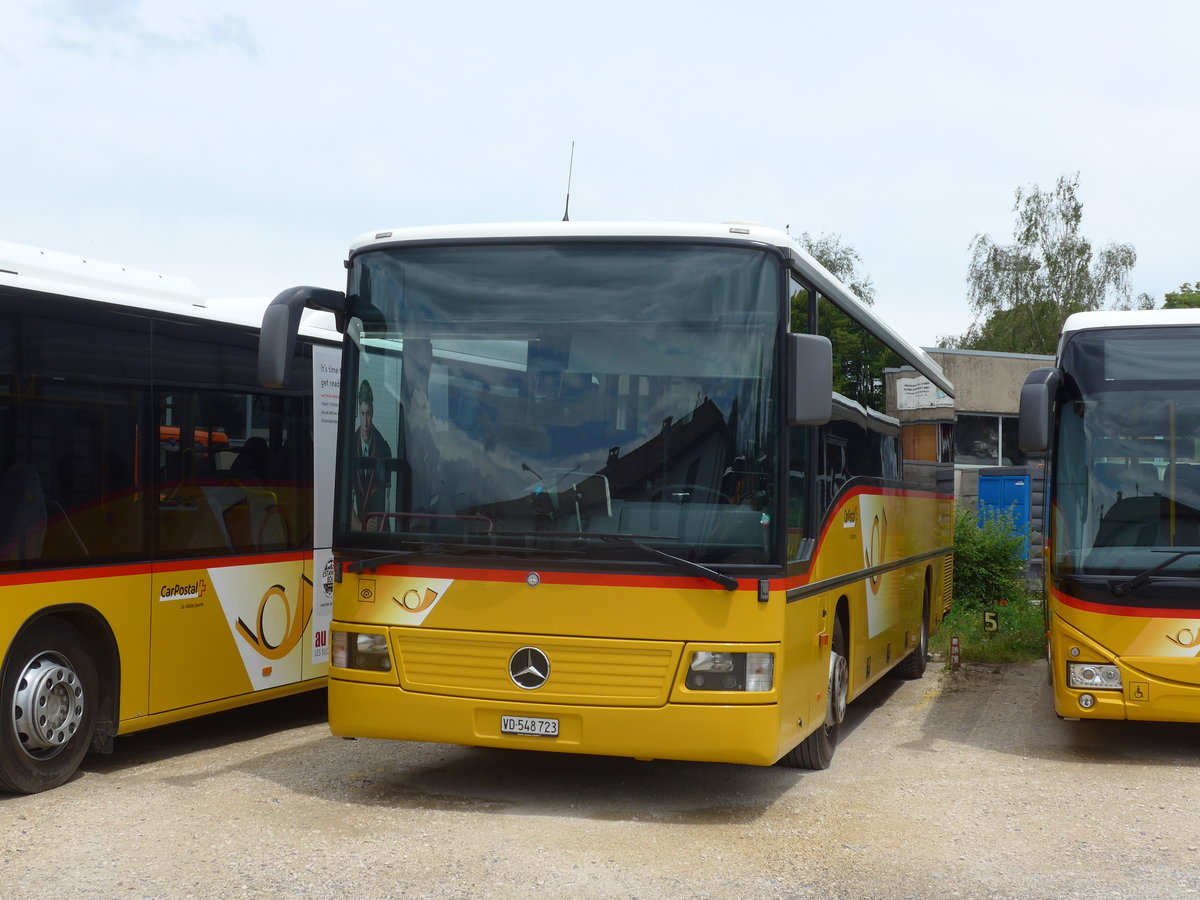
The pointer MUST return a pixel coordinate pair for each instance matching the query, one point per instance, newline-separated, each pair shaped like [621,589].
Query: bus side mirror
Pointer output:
[281,324]
[1037,409]
[810,379]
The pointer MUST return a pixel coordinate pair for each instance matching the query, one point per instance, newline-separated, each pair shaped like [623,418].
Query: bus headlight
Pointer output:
[707,661]
[1094,676]
[719,671]
[358,650]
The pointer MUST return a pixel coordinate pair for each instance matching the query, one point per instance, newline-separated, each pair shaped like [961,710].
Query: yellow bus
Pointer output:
[158,540]
[596,493]
[1119,417]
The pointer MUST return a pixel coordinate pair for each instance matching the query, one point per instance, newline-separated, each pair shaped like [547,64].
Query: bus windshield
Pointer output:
[573,397]
[1127,480]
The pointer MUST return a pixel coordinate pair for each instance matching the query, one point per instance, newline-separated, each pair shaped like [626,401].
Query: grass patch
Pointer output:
[996,618]
[1007,632]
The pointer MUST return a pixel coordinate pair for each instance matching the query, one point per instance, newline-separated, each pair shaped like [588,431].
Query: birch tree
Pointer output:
[1021,293]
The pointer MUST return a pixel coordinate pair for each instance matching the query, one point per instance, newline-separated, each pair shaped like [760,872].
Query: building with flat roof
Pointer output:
[976,430]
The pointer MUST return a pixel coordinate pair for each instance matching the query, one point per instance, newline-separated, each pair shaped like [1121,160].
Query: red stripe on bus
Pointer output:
[49,576]
[589,579]
[1133,612]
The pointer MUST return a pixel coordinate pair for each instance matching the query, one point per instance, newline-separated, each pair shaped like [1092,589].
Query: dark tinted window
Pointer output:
[230,459]
[94,460]
[855,446]
[70,409]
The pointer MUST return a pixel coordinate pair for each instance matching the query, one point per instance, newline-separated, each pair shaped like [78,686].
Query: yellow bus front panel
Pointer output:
[1150,656]
[452,678]
[619,646]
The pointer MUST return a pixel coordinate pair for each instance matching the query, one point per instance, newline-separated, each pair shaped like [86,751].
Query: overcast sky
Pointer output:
[244,143]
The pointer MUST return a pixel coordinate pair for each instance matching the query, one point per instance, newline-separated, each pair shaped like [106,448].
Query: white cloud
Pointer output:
[132,29]
[244,144]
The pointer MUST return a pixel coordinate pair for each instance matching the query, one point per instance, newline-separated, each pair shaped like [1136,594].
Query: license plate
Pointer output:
[527,725]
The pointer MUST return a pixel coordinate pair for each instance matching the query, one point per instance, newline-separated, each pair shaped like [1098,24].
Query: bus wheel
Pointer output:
[48,708]
[913,666]
[816,750]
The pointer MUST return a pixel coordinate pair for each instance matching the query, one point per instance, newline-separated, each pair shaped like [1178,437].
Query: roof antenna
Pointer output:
[570,169]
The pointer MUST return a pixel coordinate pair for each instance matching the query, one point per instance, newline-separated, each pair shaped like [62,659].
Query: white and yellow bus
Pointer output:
[1119,414]
[158,540]
[596,493]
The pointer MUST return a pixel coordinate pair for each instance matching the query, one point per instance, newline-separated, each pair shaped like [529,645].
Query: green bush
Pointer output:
[996,618]
[989,559]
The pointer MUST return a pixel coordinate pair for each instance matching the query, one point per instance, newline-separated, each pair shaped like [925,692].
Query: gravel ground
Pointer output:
[952,786]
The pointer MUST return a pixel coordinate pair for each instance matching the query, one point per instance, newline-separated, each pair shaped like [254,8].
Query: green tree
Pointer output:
[842,261]
[1187,297]
[859,358]
[1021,293]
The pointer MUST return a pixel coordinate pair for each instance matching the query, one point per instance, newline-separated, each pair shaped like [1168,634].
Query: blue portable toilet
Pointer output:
[1006,490]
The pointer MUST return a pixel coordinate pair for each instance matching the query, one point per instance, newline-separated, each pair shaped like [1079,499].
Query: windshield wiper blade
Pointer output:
[374,562]
[455,547]
[726,581]
[1121,588]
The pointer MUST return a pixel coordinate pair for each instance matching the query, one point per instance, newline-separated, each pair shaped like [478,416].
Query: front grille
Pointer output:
[631,673]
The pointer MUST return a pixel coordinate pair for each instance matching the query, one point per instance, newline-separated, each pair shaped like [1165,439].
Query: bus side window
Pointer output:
[24,506]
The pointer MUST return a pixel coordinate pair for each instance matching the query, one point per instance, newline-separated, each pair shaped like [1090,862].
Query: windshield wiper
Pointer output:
[456,547]
[726,581]
[1121,588]
[374,562]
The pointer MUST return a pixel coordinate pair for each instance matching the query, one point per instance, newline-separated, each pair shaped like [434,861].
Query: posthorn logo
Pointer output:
[529,668]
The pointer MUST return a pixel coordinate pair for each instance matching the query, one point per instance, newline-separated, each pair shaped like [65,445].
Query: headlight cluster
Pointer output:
[1094,676]
[719,671]
[357,650]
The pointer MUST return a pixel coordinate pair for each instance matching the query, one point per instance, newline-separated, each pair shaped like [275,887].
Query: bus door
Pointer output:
[232,599]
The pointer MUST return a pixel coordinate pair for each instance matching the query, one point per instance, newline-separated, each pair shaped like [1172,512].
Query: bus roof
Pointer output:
[51,272]
[743,232]
[1137,318]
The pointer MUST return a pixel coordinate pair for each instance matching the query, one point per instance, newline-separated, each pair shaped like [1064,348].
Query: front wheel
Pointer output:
[816,750]
[47,708]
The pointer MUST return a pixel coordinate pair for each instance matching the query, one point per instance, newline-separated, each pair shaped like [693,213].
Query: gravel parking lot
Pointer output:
[964,786]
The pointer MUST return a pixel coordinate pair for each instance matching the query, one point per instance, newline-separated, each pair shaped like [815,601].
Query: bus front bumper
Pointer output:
[745,734]
[1142,695]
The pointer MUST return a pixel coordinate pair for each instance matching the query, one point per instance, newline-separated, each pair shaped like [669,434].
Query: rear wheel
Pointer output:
[816,750]
[48,697]
[913,666]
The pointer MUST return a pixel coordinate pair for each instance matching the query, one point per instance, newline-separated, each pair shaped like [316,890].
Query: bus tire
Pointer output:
[913,666]
[47,708]
[816,750]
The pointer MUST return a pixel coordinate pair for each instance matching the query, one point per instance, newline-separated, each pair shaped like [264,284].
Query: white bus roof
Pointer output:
[745,232]
[51,272]
[1137,318]
[1121,318]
